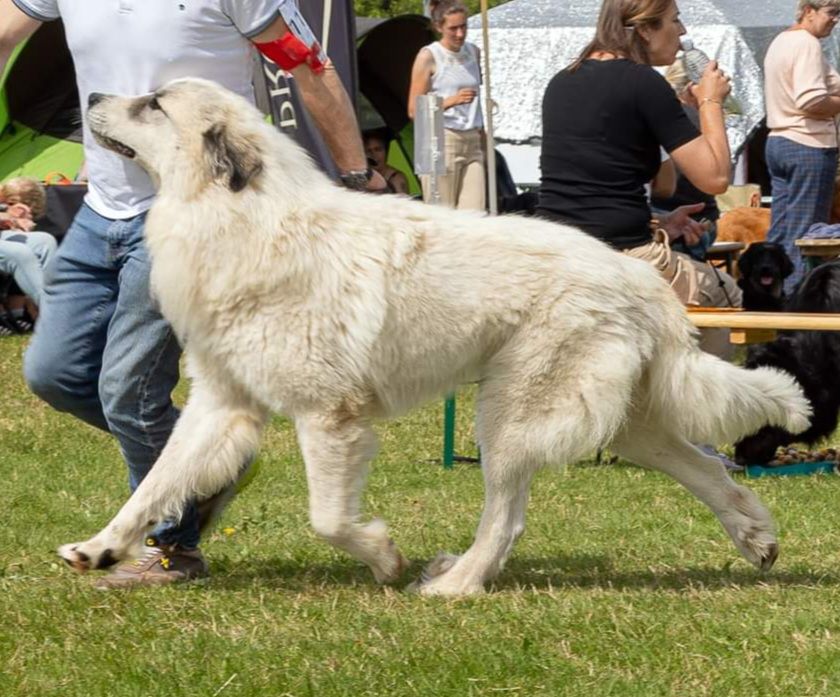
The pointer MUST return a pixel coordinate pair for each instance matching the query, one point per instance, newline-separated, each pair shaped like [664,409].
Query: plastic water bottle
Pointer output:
[695,62]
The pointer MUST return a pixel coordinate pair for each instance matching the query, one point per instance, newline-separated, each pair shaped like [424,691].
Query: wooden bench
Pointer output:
[816,251]
[754,327]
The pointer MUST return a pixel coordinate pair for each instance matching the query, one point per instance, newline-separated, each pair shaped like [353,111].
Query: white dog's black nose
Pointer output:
[94,98]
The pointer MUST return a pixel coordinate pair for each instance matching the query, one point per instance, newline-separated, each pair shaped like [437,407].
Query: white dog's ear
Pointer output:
[233,159]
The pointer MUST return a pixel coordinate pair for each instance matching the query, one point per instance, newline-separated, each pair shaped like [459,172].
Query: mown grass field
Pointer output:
[622,585]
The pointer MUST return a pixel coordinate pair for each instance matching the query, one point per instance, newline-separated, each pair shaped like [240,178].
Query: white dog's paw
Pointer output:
[372,544]
[84,556]
[442,563]
[756,543]
[449,588]
[751,528]
[441,577]
[392,566]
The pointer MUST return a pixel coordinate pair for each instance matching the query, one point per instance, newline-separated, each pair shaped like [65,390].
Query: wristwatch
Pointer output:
[356,179]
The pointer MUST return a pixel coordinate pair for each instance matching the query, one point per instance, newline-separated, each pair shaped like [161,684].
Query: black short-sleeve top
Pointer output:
[603,125]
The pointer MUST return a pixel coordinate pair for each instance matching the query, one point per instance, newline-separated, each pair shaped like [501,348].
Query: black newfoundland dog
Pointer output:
[813,358]
[763,268]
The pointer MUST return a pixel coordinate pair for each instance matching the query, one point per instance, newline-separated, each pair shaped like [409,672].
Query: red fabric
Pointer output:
[289,52]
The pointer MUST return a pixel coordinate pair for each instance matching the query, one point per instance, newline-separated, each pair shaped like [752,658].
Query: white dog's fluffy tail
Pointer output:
[711,401]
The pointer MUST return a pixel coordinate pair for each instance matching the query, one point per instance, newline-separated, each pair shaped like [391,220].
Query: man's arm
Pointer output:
[825,107]
[15,26]
[326,100]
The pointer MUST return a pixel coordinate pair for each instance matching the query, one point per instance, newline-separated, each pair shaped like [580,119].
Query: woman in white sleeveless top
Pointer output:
[450,69]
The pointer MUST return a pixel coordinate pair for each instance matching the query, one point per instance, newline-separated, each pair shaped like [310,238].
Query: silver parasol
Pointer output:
[533,39]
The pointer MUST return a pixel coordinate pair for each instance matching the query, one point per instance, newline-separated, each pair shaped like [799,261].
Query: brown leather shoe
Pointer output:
[158,566]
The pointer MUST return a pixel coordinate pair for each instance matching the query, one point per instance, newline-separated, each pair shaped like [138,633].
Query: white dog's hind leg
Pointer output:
[536,413]
[336,450]
[211,442]
[739,510]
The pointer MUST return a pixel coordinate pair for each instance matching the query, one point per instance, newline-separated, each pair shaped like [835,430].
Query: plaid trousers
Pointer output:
[802,180]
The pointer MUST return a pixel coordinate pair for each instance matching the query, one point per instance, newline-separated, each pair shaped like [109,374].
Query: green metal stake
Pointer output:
[449,432]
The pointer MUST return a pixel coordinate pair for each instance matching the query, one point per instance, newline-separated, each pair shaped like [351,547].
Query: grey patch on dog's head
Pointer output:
[232,159]
[141,104]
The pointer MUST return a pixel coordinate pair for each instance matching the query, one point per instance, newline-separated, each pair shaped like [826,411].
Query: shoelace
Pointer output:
[149,554]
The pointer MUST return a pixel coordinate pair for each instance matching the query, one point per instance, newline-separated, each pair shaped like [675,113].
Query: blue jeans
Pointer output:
[102,351]
[23,255]
[802,181]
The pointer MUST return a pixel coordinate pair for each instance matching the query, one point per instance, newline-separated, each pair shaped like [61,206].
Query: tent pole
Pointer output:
[488,109]
[325,30]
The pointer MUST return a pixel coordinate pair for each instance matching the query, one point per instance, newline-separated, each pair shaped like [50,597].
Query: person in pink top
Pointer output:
[802,91]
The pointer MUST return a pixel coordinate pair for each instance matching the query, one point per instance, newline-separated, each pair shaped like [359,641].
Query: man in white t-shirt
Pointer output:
[101,350]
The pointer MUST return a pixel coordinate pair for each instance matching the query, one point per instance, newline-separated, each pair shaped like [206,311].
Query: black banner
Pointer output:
[333,22]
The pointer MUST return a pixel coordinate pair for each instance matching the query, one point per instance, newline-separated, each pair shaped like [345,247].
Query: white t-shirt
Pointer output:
[455,70]
[132,47]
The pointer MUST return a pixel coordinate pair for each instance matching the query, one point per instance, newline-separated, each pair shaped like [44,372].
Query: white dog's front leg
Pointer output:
[208,448]
[336,452]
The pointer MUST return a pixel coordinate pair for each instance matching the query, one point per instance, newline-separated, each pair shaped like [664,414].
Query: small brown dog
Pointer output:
[744,224]
[749,224]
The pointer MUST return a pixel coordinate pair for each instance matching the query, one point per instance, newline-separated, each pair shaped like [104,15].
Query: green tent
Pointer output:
[40,122]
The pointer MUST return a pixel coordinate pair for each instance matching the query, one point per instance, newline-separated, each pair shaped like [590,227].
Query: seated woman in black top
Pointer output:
[604,120]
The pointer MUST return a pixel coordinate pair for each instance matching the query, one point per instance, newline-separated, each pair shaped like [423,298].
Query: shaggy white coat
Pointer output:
[336,308]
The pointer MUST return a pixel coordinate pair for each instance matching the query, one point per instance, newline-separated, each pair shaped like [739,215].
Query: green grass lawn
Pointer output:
[622,585]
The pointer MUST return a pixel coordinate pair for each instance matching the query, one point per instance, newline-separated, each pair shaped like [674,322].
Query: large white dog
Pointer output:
[336,308]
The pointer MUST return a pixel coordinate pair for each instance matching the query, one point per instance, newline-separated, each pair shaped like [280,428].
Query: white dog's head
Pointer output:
[190,130]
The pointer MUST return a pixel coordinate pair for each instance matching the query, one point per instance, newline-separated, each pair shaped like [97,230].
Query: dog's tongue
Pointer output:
[766,280]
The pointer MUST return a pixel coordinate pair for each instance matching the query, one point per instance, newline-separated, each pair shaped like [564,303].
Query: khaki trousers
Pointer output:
[695,283]
[463,184]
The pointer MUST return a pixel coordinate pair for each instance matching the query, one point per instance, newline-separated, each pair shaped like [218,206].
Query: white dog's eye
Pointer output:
[153,104]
